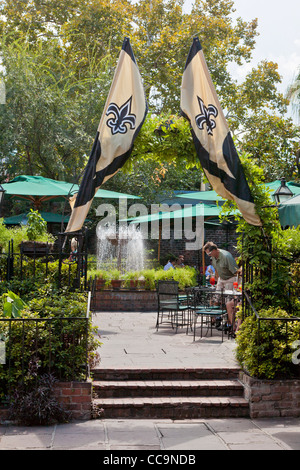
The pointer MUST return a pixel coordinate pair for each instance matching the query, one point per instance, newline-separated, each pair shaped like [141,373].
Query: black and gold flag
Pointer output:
[123,116]
[212,138]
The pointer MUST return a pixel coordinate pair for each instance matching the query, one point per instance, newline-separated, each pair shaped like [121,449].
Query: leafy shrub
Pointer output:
[34,231]
[149,276]
[98,273]
[60,345]
[12,304]
[36,404]
[37,226]
[17,234]
[185,276]
[265,350]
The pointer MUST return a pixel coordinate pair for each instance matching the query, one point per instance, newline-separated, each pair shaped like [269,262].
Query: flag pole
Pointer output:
[159,240]
[203,266]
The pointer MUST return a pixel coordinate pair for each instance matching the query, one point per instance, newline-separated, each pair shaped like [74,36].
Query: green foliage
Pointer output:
[265,349]
[7,234]
[149,276]
[185,276]
[268,250]
[12,305]
[273,142]
[61,344]
[291,238]
[294,95]
[37,226]
[59,114]
[35,274]
[25,288]
[59,59]
[36,230]
[271,254]
[35,404]
[98,273]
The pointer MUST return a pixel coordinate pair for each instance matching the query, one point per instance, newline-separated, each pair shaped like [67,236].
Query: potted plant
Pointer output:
[148,276]
[131,280]
[39,242]
[141,282]
[101,277]
[116,280]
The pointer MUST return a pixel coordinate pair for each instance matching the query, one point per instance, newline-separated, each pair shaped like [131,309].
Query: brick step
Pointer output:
[167,388]
[172,407]
[165,374]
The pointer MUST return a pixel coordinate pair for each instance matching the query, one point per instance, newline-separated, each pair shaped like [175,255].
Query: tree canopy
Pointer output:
[58,60]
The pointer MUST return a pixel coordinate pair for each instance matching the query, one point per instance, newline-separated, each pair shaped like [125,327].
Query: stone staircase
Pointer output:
[169,393]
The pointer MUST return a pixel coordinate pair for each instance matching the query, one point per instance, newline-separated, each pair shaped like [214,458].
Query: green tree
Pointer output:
[49,117]
[36,19]
[59,59]
[163,36]
[273,143]
[293,94]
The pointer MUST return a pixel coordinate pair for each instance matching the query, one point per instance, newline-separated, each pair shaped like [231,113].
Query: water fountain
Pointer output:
[121,248]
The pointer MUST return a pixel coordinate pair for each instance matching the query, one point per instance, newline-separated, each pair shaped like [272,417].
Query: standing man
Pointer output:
[225,265]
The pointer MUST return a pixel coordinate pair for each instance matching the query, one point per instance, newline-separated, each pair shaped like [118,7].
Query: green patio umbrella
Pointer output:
[210,197]
[47,216]
[205,210]
[207,197]
[294,187]
[289,212]
[38,189]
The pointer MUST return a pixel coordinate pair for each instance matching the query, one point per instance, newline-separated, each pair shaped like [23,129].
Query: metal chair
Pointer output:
[211,316]
[172,308]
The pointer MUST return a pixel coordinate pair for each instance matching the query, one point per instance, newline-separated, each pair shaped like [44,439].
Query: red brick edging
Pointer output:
[75,397]
[272,398]
[125,300]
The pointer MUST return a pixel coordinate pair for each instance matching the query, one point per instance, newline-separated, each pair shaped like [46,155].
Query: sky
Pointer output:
[279,36]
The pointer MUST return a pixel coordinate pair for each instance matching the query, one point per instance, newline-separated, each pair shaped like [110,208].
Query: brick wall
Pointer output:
[115,301]
[75,397]
[272,398]
[223,236]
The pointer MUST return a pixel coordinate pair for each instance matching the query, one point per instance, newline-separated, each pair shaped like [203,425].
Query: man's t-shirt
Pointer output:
[169,265]
[225,265]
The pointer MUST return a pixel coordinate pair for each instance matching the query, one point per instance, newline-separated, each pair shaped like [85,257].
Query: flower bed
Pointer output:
[125,300]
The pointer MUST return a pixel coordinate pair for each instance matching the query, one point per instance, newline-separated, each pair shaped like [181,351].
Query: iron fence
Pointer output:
[35,346]
[249,309]
[19,263]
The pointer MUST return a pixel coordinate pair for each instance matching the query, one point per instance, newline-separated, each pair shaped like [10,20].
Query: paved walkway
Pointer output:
[130,340]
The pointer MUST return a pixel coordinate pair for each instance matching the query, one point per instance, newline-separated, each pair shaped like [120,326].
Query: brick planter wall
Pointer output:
[134,301]
[272,398]
[75,397]
[4,415]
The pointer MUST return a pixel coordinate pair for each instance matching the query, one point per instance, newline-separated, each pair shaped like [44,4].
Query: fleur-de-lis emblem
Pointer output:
[206,116]
[121,117]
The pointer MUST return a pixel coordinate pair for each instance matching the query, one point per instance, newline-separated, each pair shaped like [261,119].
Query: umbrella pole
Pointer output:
[159,241]
[203,267]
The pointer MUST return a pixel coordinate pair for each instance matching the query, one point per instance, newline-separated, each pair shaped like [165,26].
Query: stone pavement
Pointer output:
[131,340]
[156,435]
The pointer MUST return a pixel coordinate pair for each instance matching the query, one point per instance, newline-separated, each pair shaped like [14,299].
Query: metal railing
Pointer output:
[249,309]
[52,340]
[20,264]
